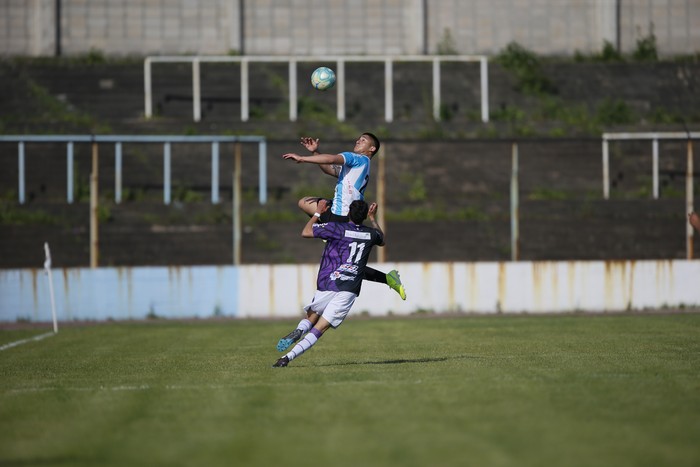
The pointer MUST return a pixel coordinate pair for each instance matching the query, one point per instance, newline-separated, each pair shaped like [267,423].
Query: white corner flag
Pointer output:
[47,267]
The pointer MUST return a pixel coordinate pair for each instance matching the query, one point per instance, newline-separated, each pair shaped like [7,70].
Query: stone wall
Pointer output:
[367,27]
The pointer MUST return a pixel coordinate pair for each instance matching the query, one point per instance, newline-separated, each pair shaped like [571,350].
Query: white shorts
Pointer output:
[333,306]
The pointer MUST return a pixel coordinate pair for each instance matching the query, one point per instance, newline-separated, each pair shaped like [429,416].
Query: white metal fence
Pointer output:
[655,137]
[340,62]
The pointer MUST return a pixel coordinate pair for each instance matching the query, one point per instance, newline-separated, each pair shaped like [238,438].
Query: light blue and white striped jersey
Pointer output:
[352,181]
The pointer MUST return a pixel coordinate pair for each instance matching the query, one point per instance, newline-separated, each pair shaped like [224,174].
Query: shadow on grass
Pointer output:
[400,361]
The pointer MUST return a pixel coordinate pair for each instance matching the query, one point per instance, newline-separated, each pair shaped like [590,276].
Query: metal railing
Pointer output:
[118,140]
[339,61]
[167,141]
[655,137]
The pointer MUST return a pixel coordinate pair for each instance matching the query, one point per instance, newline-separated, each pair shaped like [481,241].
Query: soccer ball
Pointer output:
[323,78]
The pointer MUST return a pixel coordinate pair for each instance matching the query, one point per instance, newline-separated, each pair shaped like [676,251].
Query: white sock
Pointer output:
[304,325]
[303,345]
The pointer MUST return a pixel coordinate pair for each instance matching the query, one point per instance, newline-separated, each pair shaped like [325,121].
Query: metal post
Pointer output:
[69,173]
[166,173]
[148,104]
[689,200]
[381,200]
[196,91]
[244,91]
[292,90]
[514,206]
[436,89]
[20,170]
[424,15]
[262,168]
[215,173]
[606,170]
[237,204]
[388,90]
[58,29]
[117,173]
[484,89]
[241,26]
[94,242]
[655,166]
[47,267]
[340,76]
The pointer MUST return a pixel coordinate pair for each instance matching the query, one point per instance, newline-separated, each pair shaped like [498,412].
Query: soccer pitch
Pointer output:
[573,390]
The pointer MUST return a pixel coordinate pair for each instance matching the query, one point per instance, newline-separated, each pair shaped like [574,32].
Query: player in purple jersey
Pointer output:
[352,169]
[343,265]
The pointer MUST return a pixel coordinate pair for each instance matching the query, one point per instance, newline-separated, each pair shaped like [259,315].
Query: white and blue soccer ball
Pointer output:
[323,78]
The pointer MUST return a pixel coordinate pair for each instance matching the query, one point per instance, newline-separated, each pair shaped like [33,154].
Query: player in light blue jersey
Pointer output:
[343,264]
[352,170]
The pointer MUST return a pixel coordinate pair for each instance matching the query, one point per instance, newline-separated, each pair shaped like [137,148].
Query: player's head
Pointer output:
[367,143]
[358,211]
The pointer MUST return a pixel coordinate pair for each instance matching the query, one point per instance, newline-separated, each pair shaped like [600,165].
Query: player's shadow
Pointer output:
[399,361]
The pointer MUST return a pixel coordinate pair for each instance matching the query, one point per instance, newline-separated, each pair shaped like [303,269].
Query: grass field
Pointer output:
[575,390]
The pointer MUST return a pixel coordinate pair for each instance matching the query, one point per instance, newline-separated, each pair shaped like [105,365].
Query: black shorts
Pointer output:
[328,216]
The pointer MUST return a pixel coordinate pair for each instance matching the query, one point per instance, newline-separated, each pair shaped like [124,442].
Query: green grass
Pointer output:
[574,390]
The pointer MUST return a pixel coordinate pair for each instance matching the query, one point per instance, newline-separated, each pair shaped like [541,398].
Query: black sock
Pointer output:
[374,275]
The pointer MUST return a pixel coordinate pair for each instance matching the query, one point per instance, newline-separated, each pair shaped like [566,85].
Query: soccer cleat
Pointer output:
[288,340]
[394,281]
[281,363]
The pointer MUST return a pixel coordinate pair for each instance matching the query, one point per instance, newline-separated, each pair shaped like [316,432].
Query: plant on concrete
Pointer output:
[526,67]
[11,214]
[609,54]
[548,194]
[614,112]
[447,45]
[646,47]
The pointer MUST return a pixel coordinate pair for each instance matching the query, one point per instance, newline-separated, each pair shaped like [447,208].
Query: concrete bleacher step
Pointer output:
[430,167]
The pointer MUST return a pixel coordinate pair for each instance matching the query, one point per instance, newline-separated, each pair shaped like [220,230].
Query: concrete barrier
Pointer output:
[268,291]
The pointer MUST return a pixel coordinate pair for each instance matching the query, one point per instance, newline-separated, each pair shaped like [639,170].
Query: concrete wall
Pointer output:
[303,27]
[265,291]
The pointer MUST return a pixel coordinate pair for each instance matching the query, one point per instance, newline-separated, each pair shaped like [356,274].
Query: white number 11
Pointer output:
[356,250]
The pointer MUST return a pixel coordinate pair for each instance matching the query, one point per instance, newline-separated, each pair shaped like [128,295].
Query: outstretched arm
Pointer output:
[311,144]
[370,215]
[315,159]
[308,230]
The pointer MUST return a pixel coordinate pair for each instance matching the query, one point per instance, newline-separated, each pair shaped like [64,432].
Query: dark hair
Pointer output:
[375,141]
[358,211]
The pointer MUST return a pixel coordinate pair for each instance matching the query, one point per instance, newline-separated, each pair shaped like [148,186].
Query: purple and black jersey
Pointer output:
[344,259]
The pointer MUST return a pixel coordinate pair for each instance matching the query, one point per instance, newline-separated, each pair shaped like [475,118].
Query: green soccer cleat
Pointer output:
[394,281]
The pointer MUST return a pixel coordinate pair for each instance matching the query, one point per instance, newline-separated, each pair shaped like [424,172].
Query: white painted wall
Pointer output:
[278,291]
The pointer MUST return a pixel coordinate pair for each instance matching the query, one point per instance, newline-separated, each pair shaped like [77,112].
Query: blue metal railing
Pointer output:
[118,140]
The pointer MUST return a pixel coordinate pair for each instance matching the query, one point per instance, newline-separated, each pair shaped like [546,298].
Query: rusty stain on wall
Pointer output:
[473,286]
[502,287]
[451,301]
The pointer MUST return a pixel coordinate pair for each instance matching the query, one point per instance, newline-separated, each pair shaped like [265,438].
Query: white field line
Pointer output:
[141,387]
[24,341]
[169,387]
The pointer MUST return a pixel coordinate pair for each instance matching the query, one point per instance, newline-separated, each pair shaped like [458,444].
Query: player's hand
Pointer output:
[322,206]
[295,157]
[372,211]
[310,143]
